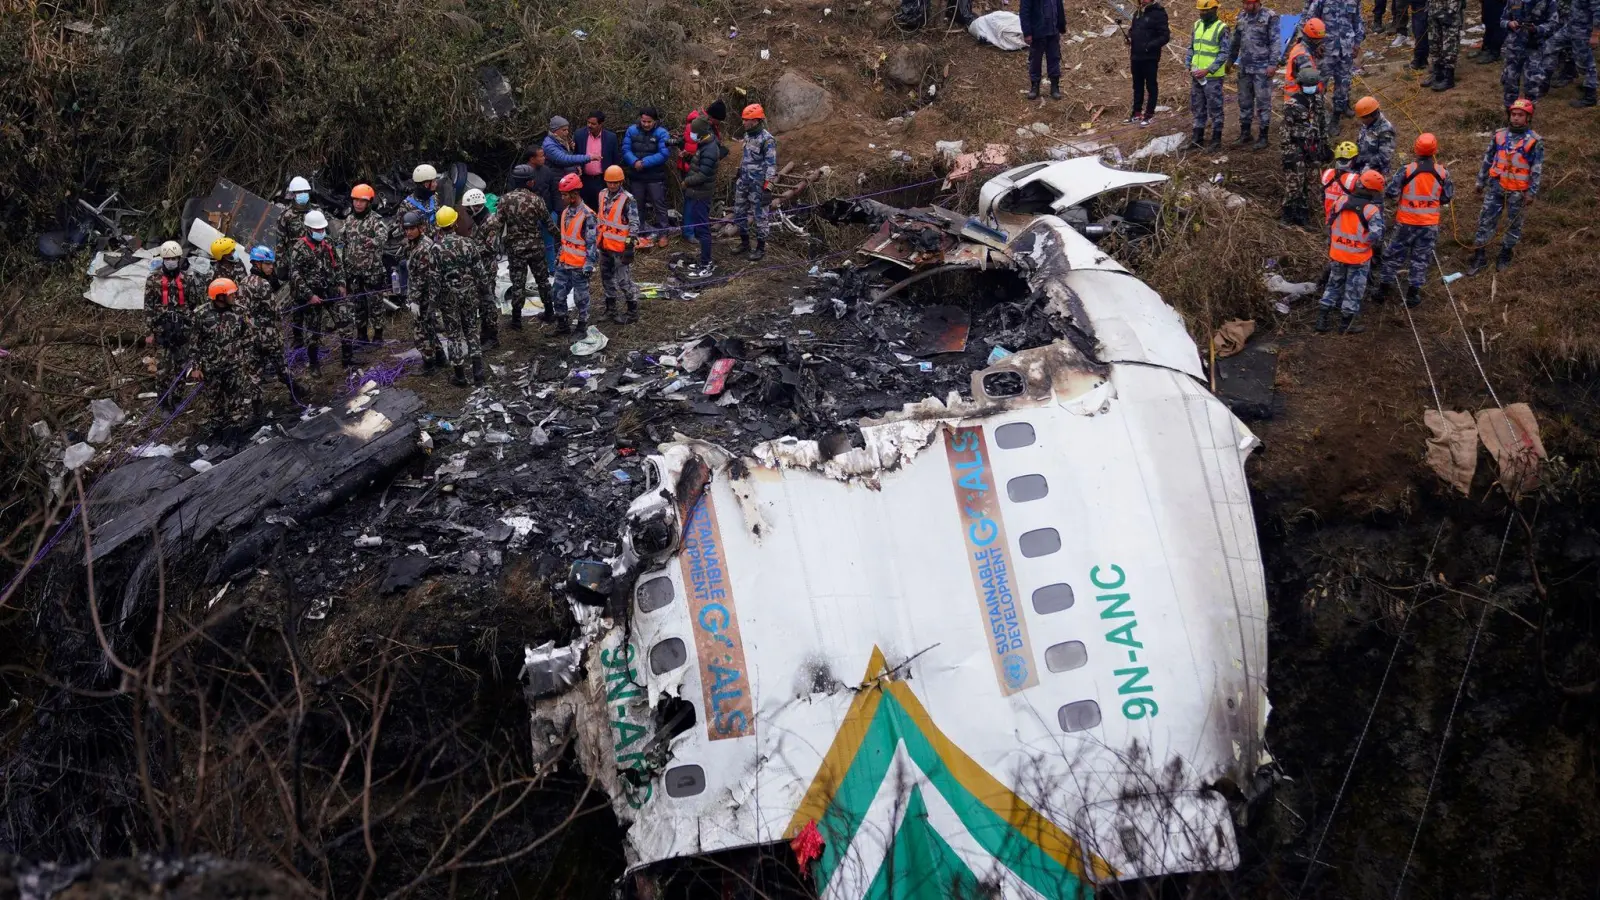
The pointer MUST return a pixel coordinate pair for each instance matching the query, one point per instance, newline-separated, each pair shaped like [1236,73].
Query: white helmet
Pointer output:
[298,184]
[315,220]
[423,173]
[170,250]
[473,197]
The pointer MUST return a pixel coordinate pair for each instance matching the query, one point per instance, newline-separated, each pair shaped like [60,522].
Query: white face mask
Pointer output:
[318,235]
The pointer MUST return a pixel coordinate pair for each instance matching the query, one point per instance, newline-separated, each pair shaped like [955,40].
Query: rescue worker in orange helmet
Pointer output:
[1509,180]
[752,186]
[1423,187]
[1355,229]
[617,229]
[1303,50]
[1376,138]
[576,255]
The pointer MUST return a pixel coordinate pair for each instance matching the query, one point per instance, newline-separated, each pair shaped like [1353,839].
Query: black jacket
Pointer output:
[544,184]
[1148,33]
[701,182]
[1042,18]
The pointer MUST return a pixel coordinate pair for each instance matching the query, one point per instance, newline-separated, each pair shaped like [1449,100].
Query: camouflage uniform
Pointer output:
[1579,22]
[425,290]
[1443,41]
[1375,146]
[462,281]
[1205,94]
[1340,48]
[222,349]
[1253,50]
[291,227]
[1528,49]
[571,277]
[227,267]
[1413,243]
[520,224]
[1305,148]
[484,236]
[1496,197]
[1347,282]
[365,237]
[316,271]
[260,302]
[756,170]
[616,266]
[169,304]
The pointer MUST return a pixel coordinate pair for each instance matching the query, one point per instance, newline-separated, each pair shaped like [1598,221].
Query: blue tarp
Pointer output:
[1286,26]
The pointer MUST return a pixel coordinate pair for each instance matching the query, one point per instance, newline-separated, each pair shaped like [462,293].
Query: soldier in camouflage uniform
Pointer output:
[261,303]
[617,228]
[1253,50]
[365,236]
[576,257]
[464,281]
[754,181]
[520,226]
[171,295]
[1531,29]
[316,293]
[222,351]
[223,263]
[1305,145]
[1442,43]
[423,288]
[482,225]
[1376,138]
[1578,28]
[291,224]
[1340,49]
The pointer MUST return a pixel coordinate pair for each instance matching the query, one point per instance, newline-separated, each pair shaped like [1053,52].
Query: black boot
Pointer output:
[1413,296]
[1033,91]
[311,355]
[429,362]
[1486,58]
[1503,260]
[563,324]
[1351,325]
[439,360]
[1262,141]
[1055,90]
[1446,79]
[1245,135]
[582,325]
[1586,97]
[632,315]
[1477,262]
[1197,140]
[1385,292]
[347,353]
[1323,315]
[255,410]
[1432,79]
[1567,74]
[477,370]
[516,316]
[377,334]
[744,244]
[459,379]
[611,312]
[489,334]
[759,252]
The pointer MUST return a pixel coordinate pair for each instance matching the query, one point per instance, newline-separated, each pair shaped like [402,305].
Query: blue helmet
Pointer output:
[262,253]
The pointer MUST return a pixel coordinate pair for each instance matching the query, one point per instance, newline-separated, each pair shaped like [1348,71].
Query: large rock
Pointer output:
[908,65]
[796,102]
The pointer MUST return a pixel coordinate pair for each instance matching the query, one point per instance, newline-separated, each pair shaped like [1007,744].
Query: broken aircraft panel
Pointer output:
[1014,639]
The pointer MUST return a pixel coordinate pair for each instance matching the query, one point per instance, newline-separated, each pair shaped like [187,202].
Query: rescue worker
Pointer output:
[1531,27]
[575,261]
[171,295]
[1509,180]
[463,283]
[316,292]
[424,179]
[423,289]
[291,224]
[1344,29]
[1441,42]
[521,225]
[1339,180]
[1252,51]
[223,262]
[1579,29]
[1376,138]
[698,186]
[1305,143]
[1423,187]
[753,183]
[259,299]
[1305,49]
[365,236]
[1354,229]
[482,226]
[1208,63]
[646,147]
[222,355]
[616,228]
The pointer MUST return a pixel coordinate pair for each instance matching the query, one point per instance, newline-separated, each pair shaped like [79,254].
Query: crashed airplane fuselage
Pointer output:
[1013,641]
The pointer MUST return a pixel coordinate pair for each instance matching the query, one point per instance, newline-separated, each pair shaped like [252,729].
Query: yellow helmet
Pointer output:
[445,217]
[223,247]
[1346,150]
[1205,4]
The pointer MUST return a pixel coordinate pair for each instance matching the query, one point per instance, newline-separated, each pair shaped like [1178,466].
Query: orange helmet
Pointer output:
[1426,145]
[1366,106]
[614,175]
[1372,180]
[362,192]
[221,287]
[1524,104]
[754,111]
[1314,29]
[570,182]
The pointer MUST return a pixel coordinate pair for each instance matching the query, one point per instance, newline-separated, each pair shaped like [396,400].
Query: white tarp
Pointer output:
[1001,29]
[122,289]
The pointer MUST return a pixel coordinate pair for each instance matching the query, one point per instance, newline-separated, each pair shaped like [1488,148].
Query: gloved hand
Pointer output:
[627,255]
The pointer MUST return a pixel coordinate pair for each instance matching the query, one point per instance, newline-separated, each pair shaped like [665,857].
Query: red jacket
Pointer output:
[690,145]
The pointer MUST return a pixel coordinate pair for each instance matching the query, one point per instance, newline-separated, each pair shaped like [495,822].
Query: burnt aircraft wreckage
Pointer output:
[1012,639]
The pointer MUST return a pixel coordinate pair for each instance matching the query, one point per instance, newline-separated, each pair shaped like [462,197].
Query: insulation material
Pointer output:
[1511,436]
[1453,447]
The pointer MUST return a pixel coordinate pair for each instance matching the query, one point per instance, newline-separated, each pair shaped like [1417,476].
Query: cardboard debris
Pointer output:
[966,163]
[1453,447]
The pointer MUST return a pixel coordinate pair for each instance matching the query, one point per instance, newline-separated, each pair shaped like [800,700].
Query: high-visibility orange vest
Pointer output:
[1298,56]
[1513,159]
[574,251]
[1335,186]
[1349,241]
[613,226]
[1421,193]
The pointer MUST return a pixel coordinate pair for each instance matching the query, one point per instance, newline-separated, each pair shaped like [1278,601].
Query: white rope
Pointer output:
[1437,403]
[1467,336]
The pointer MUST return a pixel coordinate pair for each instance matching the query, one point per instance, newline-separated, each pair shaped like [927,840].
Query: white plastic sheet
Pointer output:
[1000,29]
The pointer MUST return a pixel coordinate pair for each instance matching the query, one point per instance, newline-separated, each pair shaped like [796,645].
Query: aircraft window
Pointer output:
[1027,487]
[655,593]
[1040,542]
[668,655]
[1012,435]
[1079,716]
[685,781]
[1052,598]
[1066,657]
[1002,384]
